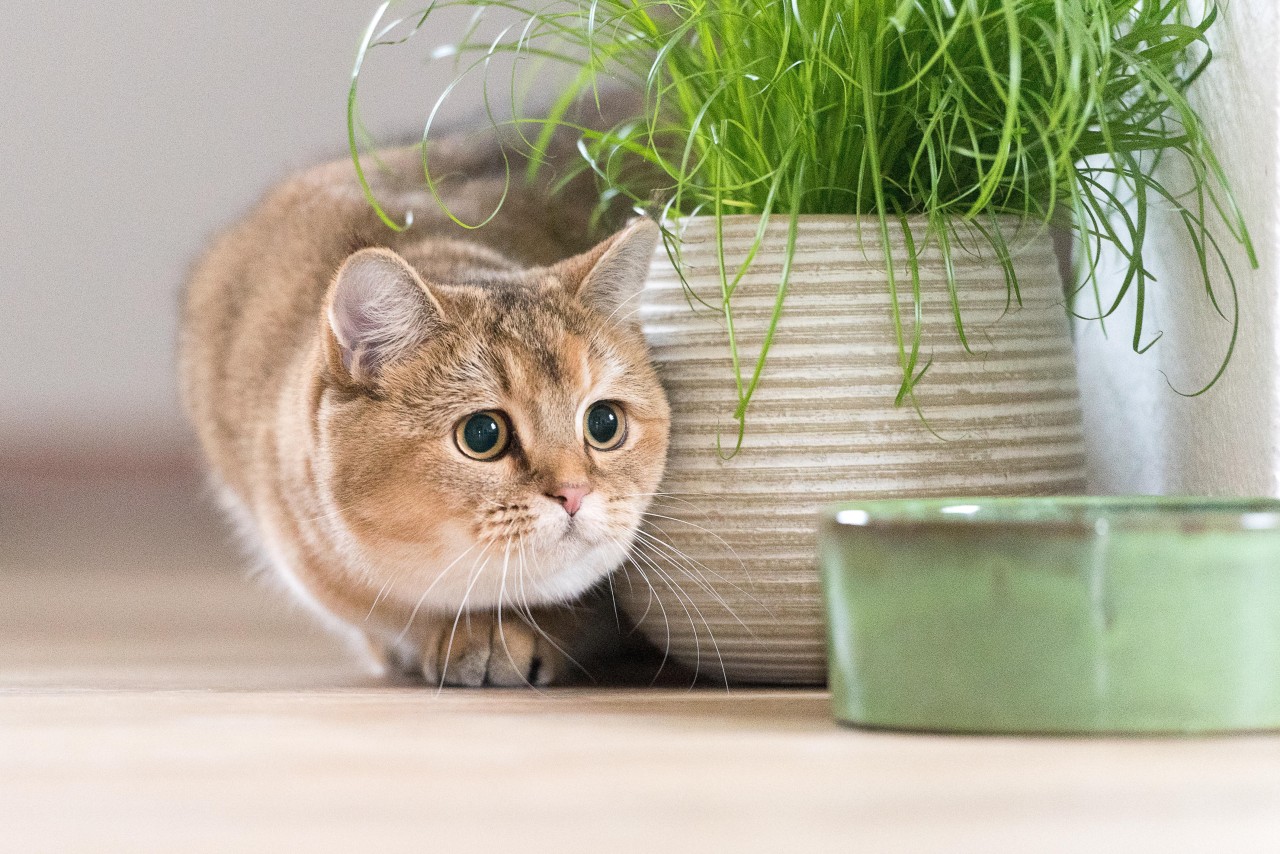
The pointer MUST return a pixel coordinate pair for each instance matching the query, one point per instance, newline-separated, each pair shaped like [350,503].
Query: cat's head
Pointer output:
[490,435]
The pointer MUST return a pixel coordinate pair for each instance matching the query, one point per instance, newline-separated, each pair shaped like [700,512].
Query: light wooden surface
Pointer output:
[154,699]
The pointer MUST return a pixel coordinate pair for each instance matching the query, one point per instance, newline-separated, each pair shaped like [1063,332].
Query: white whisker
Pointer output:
[502,594]
[533,622]
[417,605]
[702,585]
[477,571]
[376,599]
[666,622]
[697,570]
[675,588]
[613,598]
[704,530]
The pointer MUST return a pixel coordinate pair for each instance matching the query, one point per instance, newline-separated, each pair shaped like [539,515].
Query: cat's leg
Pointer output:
[499,648]
[510,647]
[474,649]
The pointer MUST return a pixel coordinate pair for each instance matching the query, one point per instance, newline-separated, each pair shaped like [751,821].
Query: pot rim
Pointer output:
[835,218]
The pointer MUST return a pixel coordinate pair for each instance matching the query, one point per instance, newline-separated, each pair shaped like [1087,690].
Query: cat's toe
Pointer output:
[460,657]
[515,659]
[401,664]
[468,669]
[394,660]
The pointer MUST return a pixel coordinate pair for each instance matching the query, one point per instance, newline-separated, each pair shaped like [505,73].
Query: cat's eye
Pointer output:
[604,426]
[483,435]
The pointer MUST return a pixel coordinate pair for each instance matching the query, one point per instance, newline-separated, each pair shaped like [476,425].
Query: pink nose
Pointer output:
[570,496]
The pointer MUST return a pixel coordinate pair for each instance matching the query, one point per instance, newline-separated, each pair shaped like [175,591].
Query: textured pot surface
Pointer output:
[726,575]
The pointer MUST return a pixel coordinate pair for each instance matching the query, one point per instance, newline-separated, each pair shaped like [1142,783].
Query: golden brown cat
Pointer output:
[441,436]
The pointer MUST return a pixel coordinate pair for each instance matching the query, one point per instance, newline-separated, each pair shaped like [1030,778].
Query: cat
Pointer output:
[443,439]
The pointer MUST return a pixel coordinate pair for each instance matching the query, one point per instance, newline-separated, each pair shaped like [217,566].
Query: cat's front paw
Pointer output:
[482,648]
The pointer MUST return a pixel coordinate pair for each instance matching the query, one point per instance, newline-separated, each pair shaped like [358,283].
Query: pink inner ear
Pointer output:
[615,276]
[380,311]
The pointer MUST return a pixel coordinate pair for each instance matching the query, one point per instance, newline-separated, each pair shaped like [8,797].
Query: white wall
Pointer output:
[132,132]
[1143,436]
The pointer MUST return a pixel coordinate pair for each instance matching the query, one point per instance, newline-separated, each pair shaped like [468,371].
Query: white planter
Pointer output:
[736,592]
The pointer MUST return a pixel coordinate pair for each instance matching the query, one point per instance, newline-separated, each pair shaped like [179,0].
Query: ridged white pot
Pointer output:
[733,587]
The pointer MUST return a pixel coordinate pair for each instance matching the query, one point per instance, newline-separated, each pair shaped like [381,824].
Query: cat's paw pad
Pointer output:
[483,650]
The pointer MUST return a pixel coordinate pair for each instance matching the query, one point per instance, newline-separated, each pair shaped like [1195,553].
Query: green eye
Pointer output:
[484,435]
[605,427]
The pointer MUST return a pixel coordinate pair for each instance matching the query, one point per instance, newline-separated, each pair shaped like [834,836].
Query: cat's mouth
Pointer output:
[572,530]
[580,532]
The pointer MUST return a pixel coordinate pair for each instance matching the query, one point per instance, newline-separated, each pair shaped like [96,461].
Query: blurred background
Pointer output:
[135,132]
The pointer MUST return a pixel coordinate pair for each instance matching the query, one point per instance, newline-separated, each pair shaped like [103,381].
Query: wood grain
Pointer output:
[154,699]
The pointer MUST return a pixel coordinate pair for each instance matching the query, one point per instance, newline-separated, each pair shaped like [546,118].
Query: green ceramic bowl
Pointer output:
[1054,615]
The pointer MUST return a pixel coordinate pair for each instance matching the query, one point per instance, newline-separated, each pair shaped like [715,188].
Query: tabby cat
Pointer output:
[443,439]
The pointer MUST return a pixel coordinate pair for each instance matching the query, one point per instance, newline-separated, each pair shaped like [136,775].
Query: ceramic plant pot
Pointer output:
[726,575]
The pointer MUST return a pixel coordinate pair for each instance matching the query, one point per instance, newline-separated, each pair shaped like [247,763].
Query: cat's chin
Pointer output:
[547,567]
[578,573]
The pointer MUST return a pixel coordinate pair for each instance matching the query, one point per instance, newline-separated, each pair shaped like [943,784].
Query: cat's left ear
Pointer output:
[611,275]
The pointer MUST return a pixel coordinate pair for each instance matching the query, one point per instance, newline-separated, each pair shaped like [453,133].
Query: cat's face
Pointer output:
[494,442]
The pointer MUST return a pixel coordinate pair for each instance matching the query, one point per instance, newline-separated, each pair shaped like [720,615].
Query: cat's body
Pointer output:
[413,432]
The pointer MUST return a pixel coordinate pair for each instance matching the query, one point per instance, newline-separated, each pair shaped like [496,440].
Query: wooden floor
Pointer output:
[153,698]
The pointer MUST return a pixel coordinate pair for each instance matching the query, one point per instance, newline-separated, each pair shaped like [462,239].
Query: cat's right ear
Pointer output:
[379,309]
[613,273]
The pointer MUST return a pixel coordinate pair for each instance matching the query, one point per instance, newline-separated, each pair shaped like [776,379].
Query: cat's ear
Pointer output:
[612,274]
[379,309]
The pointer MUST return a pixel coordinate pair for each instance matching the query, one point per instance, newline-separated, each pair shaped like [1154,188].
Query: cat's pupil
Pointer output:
[482,433]
[602,423]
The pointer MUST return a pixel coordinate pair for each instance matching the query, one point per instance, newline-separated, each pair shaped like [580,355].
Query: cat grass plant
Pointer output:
[959,112]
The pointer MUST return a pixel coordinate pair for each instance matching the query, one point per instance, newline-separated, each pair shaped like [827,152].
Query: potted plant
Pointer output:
[858,293]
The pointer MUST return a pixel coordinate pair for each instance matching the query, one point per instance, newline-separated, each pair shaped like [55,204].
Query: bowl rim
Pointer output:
[1075,513]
